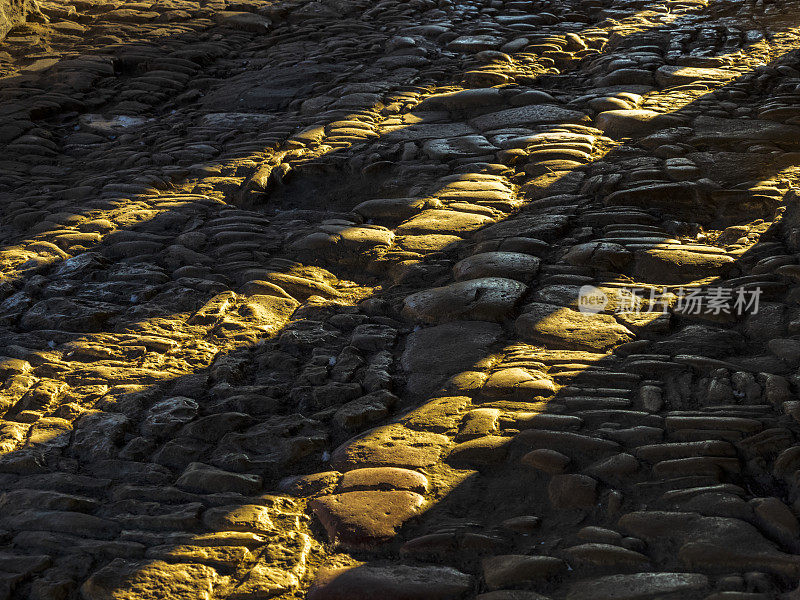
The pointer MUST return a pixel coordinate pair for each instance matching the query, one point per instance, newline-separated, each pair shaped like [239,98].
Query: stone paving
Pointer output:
[293,300]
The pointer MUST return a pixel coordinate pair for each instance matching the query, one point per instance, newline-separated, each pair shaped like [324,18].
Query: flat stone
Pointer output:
[384,478]
[460,147]
[359,239]
[166,416]
[711,542]
[245,21]
[439,415]
[570,329]
[264,288]
[416,131]
[487,450]
[213,427]
[533,114]
[357,414]
[674,75]
[633,122]
[518,383]
[510,265]
[391,208]
[672,198]
[225,557]
[543,227]
[716,130]
[249,518]
[485,299]
[393,582]
[474,43]
[600,534]
[435,353]
[301,287]
[510,570]
[701,340]
[269,313]
[266,581]
[12,13]
[14,563]
[149,580]
[544,459]
[639,586]
[315,484]
[674,265]
[268,89]
[363,517]
[629,78]
[511,595]
[438,221]
[206,479]
[449,347]
[61,521]
[425,244]
[463,100]
[670,450]
[479,422]
[614,468]
[572,491]
[234,120]
[69,314]
[776,519]
[599,255]
[713,423]
[574,445]
[526,524]
[606,555]
[97,435]
[389,446]
[609,103]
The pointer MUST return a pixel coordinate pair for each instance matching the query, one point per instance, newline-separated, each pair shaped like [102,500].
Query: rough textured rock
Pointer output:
[570,329]
[389,446]
[131,580]
[12,13]
[640,586]
[365,516]
[484,299]
[572,491]
[511,570]
[393,583]
[431,293]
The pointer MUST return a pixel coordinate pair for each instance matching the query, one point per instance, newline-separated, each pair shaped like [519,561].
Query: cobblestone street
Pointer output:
[400,300]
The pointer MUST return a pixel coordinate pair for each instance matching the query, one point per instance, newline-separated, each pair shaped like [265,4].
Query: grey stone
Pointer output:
[534,114]
[639,586]
[12,13]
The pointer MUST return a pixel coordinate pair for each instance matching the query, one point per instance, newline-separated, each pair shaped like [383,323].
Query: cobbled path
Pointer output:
[400,300]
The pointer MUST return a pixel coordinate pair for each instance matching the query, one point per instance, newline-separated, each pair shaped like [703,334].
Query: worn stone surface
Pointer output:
[365,516]
[570,329]
[639,586]
[12,13]
[339,299]
[512,570]
[130,580]
[484,299]
[400,581]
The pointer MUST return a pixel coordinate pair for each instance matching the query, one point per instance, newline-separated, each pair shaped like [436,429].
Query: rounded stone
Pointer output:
[511,265]
[485,299]
[572,491]
[546,460]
